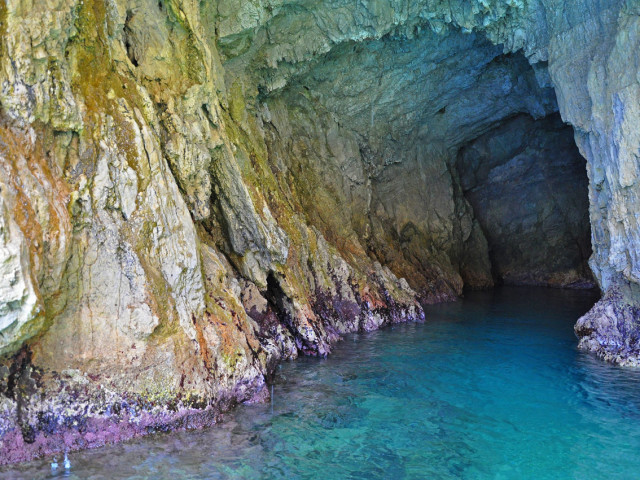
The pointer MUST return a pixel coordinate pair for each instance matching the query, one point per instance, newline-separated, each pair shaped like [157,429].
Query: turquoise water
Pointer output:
[489,388]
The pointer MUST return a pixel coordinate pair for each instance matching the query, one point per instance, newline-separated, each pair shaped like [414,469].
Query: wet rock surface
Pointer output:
[191,192]
[610,328]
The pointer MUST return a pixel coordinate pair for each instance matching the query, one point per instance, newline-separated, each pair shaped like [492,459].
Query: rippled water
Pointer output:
[489,388]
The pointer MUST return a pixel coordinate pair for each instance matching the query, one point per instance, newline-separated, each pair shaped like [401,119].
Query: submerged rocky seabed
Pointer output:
[191,192]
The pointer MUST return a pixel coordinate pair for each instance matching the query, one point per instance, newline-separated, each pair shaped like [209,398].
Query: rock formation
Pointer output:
[526,183]
[191,192]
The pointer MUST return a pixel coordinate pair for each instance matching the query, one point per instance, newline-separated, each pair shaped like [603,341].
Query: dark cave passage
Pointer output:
[453,168]
[527,184]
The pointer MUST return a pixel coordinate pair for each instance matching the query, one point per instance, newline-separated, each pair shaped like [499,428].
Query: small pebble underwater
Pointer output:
[491,387]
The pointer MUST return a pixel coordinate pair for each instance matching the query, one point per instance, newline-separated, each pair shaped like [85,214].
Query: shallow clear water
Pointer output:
[489,388]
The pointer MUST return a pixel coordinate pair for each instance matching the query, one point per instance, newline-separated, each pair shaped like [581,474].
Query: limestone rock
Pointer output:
[192,191]
[527,184]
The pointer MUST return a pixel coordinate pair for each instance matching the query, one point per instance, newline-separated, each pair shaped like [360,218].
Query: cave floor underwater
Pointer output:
[490,387]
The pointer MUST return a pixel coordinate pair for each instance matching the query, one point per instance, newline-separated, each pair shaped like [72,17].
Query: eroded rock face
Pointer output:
[194,191]
[527,184]
[398,191]
[598,93]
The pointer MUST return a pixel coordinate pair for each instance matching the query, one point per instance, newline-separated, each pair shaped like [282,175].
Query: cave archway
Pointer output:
[441,156]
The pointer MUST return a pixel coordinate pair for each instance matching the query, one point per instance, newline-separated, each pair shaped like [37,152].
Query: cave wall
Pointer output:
[193,191]
[528,184]
[597,90]
[401,141]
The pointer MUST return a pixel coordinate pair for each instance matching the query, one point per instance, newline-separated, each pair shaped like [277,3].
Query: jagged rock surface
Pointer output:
[193,191]
[526,182]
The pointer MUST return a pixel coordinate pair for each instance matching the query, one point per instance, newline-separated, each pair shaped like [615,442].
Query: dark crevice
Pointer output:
[128,37]
[280,304]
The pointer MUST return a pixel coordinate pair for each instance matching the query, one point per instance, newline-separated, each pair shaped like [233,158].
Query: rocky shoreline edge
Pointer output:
[83,414]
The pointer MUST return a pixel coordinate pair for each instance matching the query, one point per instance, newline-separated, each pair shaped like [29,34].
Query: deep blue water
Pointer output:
[492,387]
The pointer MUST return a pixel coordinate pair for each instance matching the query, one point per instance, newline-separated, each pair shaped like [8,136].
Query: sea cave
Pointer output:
[195,194]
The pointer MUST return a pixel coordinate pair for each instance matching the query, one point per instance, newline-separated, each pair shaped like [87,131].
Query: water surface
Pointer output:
[489,388]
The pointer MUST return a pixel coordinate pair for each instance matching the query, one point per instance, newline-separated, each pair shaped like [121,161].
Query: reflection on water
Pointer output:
[489,388]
